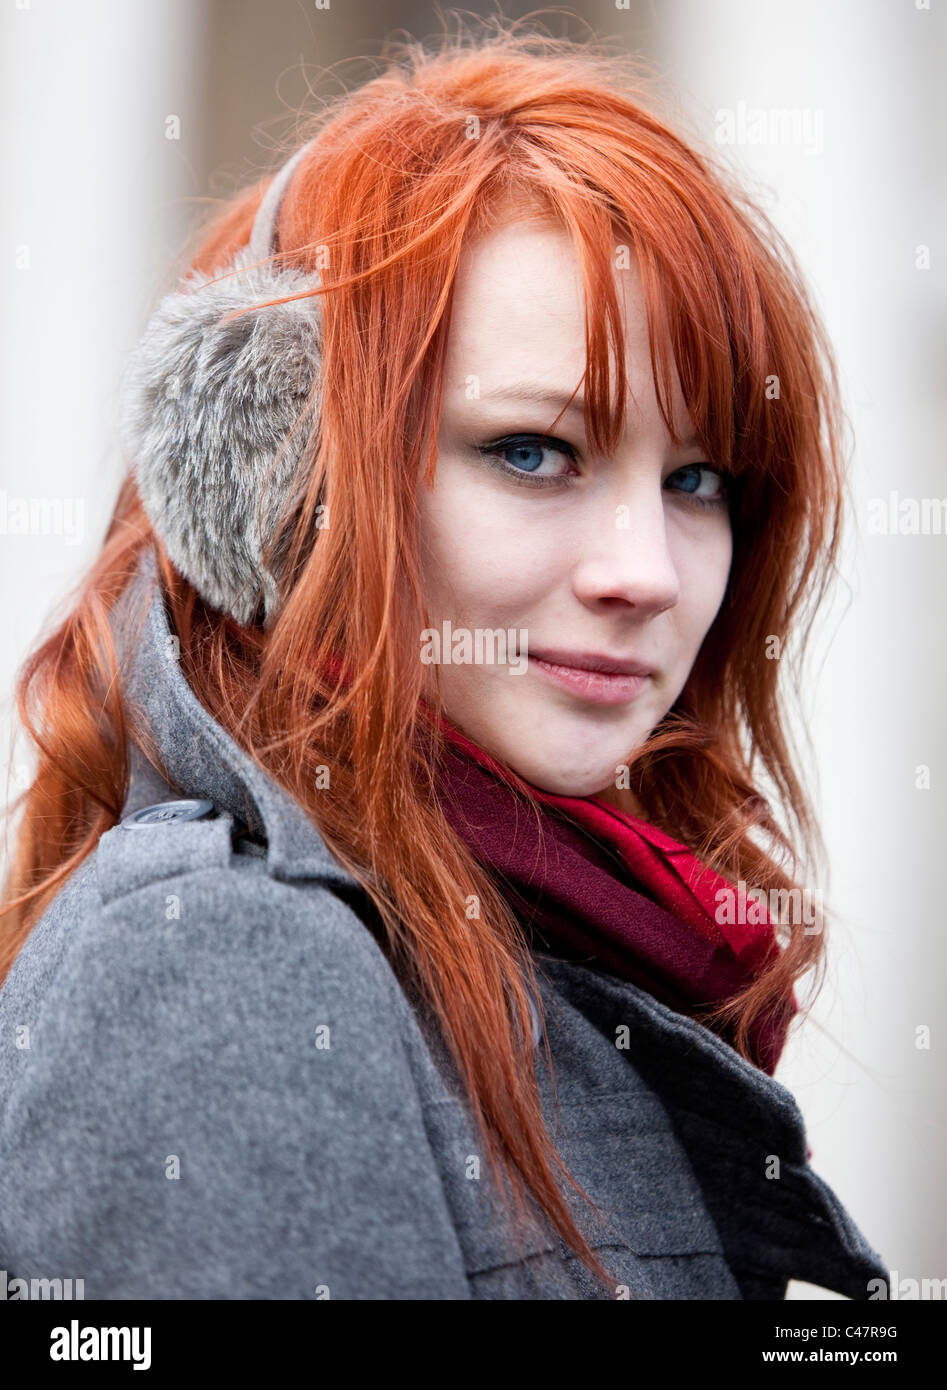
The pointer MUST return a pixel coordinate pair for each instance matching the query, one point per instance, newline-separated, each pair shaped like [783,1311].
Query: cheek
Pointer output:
[703,566]
[478,557]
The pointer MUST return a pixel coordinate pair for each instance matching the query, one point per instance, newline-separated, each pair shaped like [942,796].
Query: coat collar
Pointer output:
[199,758]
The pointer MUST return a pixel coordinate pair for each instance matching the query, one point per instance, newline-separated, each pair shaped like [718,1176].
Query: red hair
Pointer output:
[405,170]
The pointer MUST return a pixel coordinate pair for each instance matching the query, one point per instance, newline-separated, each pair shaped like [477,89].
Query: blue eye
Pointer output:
[693,476]
[530,457]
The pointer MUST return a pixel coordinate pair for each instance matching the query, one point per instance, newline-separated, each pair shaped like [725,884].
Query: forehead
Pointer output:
[519,316]
[518,303]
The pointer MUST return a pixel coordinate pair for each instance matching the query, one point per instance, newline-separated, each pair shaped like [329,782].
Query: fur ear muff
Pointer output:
[206,408]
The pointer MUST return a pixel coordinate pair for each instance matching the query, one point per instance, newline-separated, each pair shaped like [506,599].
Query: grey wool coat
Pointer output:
[213,1086]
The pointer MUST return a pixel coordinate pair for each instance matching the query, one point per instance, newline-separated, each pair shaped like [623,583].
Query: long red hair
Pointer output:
[404,171]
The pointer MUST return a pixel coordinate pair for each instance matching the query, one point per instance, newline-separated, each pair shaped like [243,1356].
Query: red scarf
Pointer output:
[606,887]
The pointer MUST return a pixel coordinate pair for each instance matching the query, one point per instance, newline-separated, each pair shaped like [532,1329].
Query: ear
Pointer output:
[205,410]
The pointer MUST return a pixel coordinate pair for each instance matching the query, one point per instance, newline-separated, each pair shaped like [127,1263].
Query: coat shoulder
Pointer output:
[159,895]
[191,1050]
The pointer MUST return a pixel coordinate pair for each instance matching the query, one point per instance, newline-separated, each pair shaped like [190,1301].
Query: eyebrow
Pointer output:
[535,391]
[543,395]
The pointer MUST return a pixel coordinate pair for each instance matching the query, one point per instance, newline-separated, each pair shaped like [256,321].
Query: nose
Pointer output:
[625,557]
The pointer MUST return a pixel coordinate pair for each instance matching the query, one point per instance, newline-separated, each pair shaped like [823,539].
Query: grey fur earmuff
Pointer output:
[205,407]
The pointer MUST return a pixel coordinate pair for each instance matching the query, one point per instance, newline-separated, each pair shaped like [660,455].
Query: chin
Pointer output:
[553,774]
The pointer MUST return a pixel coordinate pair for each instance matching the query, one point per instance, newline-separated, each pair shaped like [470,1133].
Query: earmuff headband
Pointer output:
[211,412]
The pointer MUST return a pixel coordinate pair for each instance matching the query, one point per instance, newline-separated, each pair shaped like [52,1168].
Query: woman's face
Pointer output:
[582,559]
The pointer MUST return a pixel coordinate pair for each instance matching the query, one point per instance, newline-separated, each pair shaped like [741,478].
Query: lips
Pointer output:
[592,677]
[593,661]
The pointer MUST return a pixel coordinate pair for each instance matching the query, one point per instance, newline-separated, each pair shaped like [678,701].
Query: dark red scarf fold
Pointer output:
[608,888]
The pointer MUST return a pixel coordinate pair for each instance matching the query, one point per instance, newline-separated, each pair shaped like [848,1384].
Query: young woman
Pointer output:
[378,925]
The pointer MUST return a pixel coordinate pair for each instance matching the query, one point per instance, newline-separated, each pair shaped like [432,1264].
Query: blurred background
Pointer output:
[126,122]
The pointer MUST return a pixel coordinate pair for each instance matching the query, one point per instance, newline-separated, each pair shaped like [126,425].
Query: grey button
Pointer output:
[163,811]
